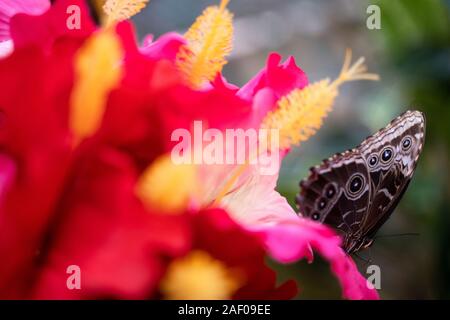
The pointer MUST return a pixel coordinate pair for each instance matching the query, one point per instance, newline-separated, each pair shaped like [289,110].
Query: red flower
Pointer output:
[219,241]
[101,227]
[72,158]
[43,30]
[81,207]
[157,101]
[34,135]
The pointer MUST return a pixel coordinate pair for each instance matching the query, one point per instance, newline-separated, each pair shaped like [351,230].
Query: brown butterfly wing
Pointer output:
[404,136]
[385,162]
[326,195]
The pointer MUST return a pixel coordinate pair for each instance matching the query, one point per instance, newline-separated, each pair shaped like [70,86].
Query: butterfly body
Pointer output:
[355,192]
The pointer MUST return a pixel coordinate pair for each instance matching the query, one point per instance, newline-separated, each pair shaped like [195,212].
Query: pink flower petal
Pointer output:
[9,8]
[166,47]
[220,83]
[6,48]
[256,202]
[280,78]
[291,240]
[263,102]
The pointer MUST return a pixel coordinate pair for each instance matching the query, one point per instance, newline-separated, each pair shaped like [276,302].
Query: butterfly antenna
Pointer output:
[362,259]
[398,235]
[370,256]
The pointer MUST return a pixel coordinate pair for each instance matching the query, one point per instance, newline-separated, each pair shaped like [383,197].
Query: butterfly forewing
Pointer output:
[368,181]
[390,177]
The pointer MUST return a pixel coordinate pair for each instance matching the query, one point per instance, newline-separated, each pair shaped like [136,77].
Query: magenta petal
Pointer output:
[304,234]
[9,8]
[166,47]
[220,83]
[354,285]
[263,102]
[281,78]
[291,240]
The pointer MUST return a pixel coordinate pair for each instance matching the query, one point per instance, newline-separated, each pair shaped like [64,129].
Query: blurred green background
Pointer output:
[411,53]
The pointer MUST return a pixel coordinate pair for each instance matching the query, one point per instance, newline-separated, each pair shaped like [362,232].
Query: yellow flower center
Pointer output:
[167,186]
[199,276]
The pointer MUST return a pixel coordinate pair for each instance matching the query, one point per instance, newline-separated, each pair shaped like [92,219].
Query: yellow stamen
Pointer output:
[300,114]
[209,41]
[168,187]
[199,276]
[119,10]
[97,72]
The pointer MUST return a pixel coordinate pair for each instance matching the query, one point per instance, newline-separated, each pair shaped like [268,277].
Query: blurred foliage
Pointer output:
[416,38]
[413,55]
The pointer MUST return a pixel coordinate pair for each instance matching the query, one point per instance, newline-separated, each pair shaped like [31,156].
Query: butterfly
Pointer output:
[356,191]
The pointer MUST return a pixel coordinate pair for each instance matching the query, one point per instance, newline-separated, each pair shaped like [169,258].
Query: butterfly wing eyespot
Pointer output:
[330,191]
[321,204]
[373,160]
[387,154]
[406,143]
[356,184]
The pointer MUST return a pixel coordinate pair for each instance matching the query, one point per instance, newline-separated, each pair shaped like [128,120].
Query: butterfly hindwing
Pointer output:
[326,194]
